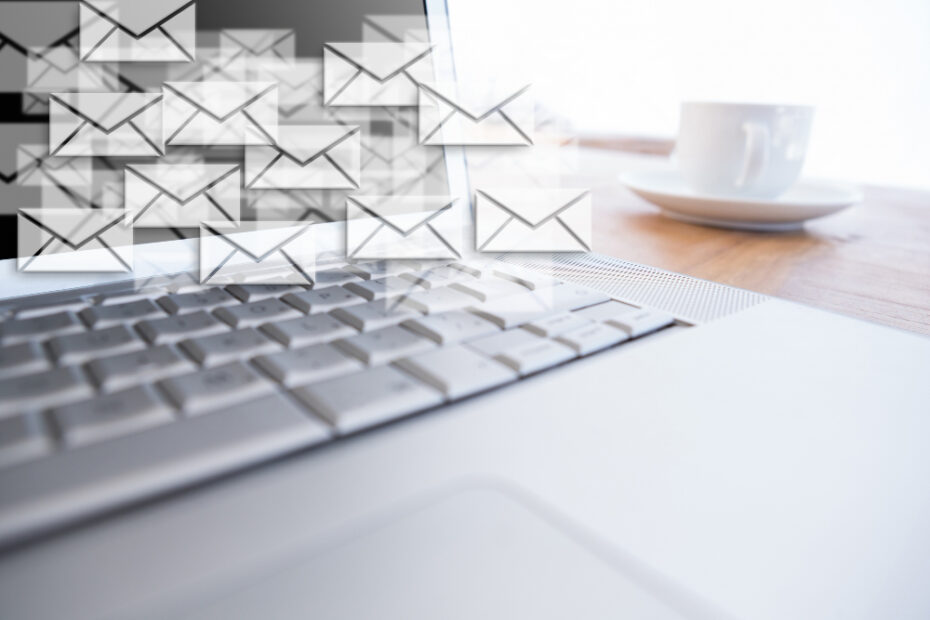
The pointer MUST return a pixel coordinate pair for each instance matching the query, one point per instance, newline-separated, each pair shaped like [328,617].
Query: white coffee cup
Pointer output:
[742,149]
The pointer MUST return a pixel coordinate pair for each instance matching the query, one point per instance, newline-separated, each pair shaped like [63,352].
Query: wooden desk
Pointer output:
[871,261]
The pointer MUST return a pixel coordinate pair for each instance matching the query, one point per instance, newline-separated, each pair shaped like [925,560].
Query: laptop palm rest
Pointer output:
[475,553]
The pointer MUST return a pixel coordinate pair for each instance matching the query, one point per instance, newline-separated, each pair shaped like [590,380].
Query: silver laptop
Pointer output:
[524,436]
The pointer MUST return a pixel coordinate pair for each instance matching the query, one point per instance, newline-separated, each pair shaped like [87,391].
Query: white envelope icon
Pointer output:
[59,69]
[300,84]
[319,205]
[307,157]
[221,113]
[26,26]
[259,43]
[118,124]
[137,31]
[181,195]
[487,114]
[38,168]
[374,74]
[74,240]
[396,28]
[533,220]
[257,252]
[383,227]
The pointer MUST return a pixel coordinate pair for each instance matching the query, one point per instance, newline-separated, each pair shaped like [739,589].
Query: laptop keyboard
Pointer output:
[111,396]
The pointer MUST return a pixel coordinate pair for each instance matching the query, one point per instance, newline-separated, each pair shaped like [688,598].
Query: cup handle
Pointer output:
[756,154]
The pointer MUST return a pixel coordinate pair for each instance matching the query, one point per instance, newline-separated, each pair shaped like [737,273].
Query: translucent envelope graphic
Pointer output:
[403,227]
[39,168]
[486,114]
[13,195]
[74,240]
[307,157]
[395,28]
[533,220]
[300,84]
[319,205]
[257,43]
[26,26]
[257,252]
[134,30]
[221,113]
[117,124]
[63,197]
[181,195]
[374,74]
[59,69]
[35,104]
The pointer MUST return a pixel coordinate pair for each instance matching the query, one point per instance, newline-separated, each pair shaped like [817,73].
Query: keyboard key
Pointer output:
[451,327]
[125,297]
[374,314]
[515,310]
[77,348]
[485,290]
[440,299]
[308,330]
[567,296]
[257,292]
[641,322]
[499,341]
[457,371]
[537,356]
[391,286]
[176,328]
[29,312]
[367,398]
[441,276]
[555,324]
[606,311]
[121,371]
[308,365]
[382,268]
[256,313]
[524,277]
[201,300]
[476,269]
[230,346]
[41,390]
[110,416]
[215,387]
[385,345]
[323,299]
[23,437]
[19,330]
[105,316]
[140,465]
[332,277]
[22,359]
[592,337]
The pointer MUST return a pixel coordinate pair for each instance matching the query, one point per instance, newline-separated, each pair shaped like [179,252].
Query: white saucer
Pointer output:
[804,201]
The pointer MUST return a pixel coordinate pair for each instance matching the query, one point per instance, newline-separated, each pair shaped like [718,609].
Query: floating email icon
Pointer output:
[307,157]
[38,168]
[26,27]
[181,195]
[136,31]
[74,240]
[300,84]
[220,113]
[35,104]
[14,195]
[488,115]
[117,124]
[403,227]
[259,43]
[533,220]
[59,69]
[257,252]
[296,204]
[374,74]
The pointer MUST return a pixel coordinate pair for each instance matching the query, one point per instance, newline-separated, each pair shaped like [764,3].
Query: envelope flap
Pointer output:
[220,99]
[60,57]
[108,110]
[475,100]
[182,181]
[404,213]
[136,16]
[381,60]
[37,152]
[32,24]
[76,227]
[304,143]
[256,40]
[260,243]
[535,205]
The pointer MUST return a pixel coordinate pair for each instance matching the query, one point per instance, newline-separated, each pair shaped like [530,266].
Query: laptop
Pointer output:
[512,436]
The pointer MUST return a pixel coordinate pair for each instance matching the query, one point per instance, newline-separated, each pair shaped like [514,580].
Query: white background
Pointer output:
[621,67]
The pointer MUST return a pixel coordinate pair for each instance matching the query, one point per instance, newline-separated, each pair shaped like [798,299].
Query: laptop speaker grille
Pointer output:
[689,299]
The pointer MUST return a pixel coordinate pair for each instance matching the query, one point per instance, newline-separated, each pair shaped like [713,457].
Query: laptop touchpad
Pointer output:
[476,553]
